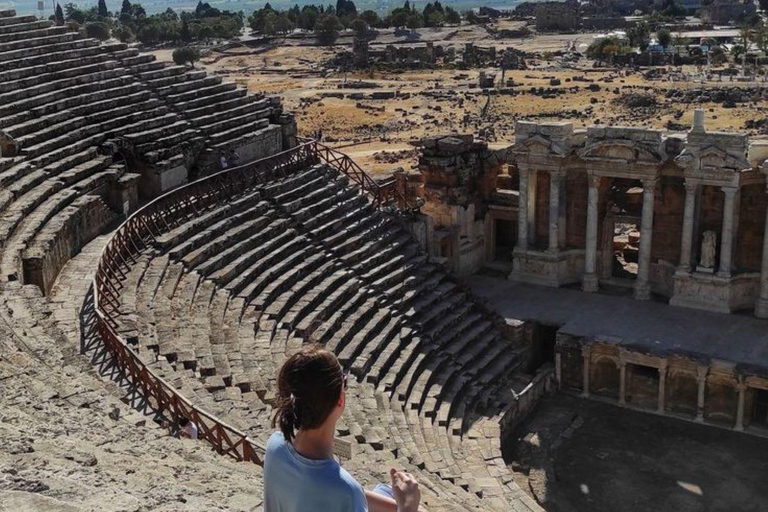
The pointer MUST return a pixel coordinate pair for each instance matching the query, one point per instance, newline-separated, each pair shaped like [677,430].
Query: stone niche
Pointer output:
[458,175]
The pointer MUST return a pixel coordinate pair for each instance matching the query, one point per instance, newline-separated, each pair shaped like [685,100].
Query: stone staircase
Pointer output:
[225,297]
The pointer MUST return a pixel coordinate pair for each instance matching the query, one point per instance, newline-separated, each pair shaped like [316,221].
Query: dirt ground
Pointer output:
[380,133]
[581,455]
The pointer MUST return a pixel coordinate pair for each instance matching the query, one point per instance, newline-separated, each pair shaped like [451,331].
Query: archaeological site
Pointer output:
[549,287]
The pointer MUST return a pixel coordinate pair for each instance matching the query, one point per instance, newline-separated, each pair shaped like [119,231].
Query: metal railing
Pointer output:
[162,215]
[381,193]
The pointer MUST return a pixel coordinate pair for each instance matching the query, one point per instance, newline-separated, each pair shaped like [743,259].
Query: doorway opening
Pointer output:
[506,238]
[760,411]
[542,346]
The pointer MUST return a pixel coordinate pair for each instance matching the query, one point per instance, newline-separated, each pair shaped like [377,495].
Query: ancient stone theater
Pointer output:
[167,240]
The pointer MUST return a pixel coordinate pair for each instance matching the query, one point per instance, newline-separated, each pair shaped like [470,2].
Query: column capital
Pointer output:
[594,180]
[701,373]
[523,171]
[649,184]
[730,191]
[692,187]
[586,350]
[663,365]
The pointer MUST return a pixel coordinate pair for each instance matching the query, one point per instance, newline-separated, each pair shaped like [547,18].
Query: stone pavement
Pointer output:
[651,326]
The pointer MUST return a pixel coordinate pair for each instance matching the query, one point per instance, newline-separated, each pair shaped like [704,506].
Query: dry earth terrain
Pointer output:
[379,133]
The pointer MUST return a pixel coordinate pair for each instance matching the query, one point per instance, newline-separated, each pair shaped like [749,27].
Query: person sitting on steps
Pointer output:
[300,473]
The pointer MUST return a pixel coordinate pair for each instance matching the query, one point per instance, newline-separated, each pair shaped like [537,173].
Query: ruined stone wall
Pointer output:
[711,213]
[668,219]
[62,238]
[749,239]
[542,209]
[576,209]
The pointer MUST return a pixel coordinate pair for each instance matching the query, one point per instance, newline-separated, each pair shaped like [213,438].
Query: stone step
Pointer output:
[49,80]
[29,31]
[10,46]
[24,24]
[24,57]
[51,68]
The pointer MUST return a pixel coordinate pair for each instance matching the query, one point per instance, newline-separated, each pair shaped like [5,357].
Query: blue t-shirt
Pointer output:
[293,483]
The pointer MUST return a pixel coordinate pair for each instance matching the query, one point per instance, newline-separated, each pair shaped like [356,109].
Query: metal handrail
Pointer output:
[162,215]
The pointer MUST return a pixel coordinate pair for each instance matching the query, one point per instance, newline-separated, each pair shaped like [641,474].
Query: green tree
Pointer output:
[359,27]
[97,30]
[184,33]
[452,16]
[371,18]
[639,35]
[59,15]
[102,9]
[327,29]
[414,21]
[186,55]
[664,37]
[123,34]
[283,25]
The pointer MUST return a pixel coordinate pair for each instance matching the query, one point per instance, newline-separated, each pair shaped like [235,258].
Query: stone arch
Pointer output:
[605,378]
[721,401]
[682,392]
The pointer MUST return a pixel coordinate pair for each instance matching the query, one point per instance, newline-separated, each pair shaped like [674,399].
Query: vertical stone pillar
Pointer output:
[642,285]
[726,238]
[662,386]
[522,211]
[622,382]
[586,350]
[742,388]
[589,282]
[761,307]
[555,180]
[691,189]
[701,377]
[559,369]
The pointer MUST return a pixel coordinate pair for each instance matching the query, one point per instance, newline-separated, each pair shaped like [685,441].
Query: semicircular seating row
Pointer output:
[69,106]
[224,298]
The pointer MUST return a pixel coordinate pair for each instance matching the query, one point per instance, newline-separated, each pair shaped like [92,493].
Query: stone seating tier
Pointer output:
[230,293]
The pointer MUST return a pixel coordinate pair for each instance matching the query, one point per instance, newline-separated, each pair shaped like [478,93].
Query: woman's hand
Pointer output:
[406,491]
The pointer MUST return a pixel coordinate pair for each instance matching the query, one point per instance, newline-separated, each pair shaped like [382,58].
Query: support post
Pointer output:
[662,386]
[686,244]
[559,369]
[555,180]
[642,285]
[701,377]
[589,282]
[622,382]
[522,211]
[586,350]
[742,388]
[726,242]
[761,307]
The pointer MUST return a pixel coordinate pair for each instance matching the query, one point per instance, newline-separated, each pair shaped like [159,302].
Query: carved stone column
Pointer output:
[691,189]
[662,386]
[726,242]
[622,382]
[701,377]
[559,369]
[589,283]
[761,307]
[555,182]
[742,388]
[522,211]
[642,285]
[586,350]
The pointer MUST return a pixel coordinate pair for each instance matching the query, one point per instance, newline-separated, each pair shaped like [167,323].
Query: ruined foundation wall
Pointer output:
[751,227]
